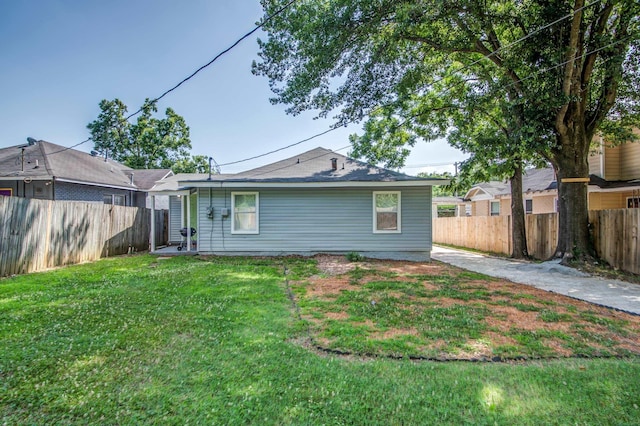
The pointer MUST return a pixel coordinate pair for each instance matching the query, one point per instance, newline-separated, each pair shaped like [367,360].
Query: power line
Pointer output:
[193,74]
[303,161]
[417,166]
[283,148]
[70,147]
[525,37]
[237,42]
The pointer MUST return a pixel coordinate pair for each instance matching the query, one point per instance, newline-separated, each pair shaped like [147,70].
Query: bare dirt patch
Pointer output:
[454,314]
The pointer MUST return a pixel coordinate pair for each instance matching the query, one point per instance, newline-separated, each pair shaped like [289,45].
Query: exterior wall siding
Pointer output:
[505,206]
[76,192]
[609,200]
[175,222]
[594,164]
[630,161]
[544,204]
[481,208]
[316,220]
[612,163]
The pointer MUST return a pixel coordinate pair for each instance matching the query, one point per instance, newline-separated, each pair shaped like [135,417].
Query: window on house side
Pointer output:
[386,212]
[528,206]
[245,208]
[633,202]
[119,200]
[495,208]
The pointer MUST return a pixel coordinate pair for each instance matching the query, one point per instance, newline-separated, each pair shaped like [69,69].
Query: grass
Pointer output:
[453,314]
[143,340]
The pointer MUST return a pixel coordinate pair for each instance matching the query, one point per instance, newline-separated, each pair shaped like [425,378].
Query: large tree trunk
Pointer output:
[518,231]
[572,169]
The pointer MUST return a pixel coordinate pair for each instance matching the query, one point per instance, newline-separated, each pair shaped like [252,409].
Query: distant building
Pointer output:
[614,183]
[47,171]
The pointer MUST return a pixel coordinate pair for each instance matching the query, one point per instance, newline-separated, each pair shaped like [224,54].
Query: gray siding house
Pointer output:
[48,171]
[315,202]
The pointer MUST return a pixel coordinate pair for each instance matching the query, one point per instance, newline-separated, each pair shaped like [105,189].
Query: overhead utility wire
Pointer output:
[280,149]
[70,147]
[267,19]
[237,42]
[300,162]
[520,40]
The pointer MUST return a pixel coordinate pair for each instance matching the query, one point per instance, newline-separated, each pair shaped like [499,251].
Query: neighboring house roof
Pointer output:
[48,161]
[171,183]
[533,180]
[147,178]
[606,184]
[447,200]
[311,167]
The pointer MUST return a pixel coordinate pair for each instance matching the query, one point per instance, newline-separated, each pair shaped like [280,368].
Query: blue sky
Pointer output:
[61,57]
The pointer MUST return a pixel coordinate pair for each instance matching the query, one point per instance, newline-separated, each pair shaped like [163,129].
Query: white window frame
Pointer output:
[491,204]
[233,213]
[399,213]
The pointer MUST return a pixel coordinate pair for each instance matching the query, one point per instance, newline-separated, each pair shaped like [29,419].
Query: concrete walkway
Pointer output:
[550,276]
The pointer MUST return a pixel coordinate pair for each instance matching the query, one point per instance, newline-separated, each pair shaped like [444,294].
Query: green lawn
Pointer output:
[139,339]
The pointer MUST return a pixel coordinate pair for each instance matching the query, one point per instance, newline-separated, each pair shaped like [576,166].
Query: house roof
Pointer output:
[315,167]
[147,178]
[532,180]
[46,161]
[609,184]
[447,200]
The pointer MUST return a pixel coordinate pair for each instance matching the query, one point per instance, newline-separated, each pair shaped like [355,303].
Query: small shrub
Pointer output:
[354,257]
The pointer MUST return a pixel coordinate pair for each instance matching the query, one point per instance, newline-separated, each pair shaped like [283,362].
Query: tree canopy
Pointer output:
[147,143]
[515,79]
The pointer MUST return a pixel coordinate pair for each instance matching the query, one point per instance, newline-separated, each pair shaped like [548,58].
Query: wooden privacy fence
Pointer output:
[162,227]
[615,235]
[40,234]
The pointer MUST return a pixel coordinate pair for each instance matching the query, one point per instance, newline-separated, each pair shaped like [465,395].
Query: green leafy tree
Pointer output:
[456,187]
[148,143]
[195,164]
[407,64]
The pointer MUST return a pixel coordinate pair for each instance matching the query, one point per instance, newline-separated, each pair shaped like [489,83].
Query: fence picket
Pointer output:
[40,234]
[615,235]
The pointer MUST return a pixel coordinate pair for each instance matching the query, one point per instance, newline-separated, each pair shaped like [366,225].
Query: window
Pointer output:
[528,206]
[118,200]
[467,209]
[495,208]
[7,192]
[633,202]
[386,211]
[245,208]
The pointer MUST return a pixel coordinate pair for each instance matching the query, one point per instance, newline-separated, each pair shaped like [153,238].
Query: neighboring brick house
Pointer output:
[48,171]
[614,184]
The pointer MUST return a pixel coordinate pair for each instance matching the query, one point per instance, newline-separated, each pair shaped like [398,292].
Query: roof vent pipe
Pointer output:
[334,163]
[131,175]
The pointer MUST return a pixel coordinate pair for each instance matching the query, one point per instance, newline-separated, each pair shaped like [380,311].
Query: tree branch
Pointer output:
[569,68]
